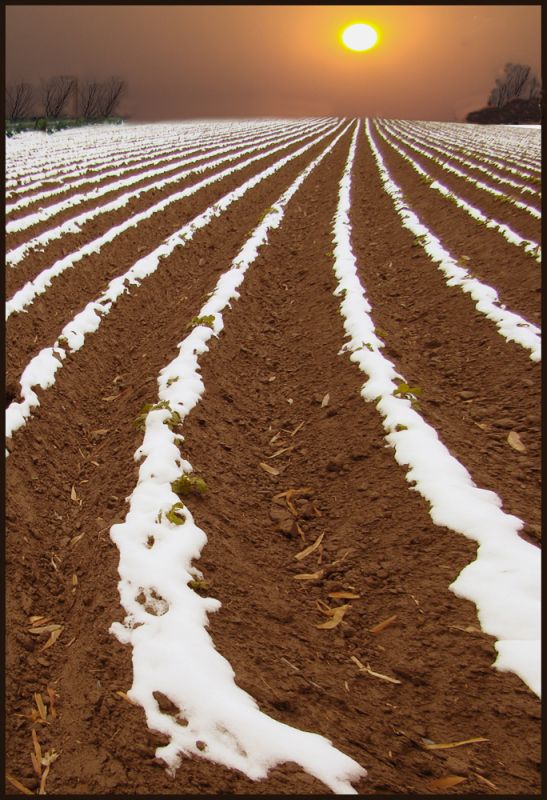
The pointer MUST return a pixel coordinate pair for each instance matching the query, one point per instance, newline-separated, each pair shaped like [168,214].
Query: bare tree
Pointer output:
[111,92]
[89,99]
[515,82]
[19,99]
[55,94]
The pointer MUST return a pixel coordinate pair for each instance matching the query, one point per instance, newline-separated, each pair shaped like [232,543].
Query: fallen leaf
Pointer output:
[100,431]
[42,789]
[446,745]
[73,495]
[382,625]
[344,595]
[516,442]
[309,576]
[76,539]
[269,469]
[336,618]
[283,450]
[369,671]
[298,428]
[44,629]
[305,490]
[37,751]
[124,696]
[275,438]
[325,400]
[290,401]
[40,705]
[446,783]
[110,398]
[484,780]
[18,784]
[54,635]
[303,553]
[49,758]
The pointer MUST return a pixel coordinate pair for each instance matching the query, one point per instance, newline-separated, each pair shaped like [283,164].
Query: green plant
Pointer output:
[172,380]
[368,346]
[62,341]
[172,515]
[198,584]
[400,427]
[408,392]
[207,320]
[171,422]
[189,484]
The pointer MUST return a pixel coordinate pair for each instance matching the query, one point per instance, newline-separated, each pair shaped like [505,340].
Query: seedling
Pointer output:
[171,422]
[173,516]
[400,427]
[189,484]
[368,346]
[208,320]
[198,584]
[172,380]
[62,341]
[409,393]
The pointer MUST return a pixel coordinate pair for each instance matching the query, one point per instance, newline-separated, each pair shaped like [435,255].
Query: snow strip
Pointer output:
[172,650]
[511,326]
[504,581]
[73,225]
[41,370]
[426,149]
[43,214]
[530,247]
[27,293]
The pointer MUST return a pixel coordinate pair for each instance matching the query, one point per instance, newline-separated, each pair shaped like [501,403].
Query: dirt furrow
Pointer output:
[476,387]
[269,372]
[43,321]
[495,207]
[516,275]
[43,254]
[83,435]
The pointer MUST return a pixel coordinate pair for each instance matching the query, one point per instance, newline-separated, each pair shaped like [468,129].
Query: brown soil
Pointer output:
[281,343]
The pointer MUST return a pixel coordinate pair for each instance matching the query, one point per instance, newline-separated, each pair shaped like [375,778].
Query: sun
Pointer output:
[360,36]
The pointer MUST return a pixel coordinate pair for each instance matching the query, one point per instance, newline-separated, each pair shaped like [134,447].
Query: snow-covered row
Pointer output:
[42,368]
[511,326]
[43,214]
[470,161]
[484,145]
[427,150]
[172,651]
[530,247]
[504,581]
[17,254]
[157,155]
[28,293]
[101,145]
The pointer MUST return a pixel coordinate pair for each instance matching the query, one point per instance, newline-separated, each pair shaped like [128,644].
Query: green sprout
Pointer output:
[173,516]
[171,422]
[189,484]
[207,320]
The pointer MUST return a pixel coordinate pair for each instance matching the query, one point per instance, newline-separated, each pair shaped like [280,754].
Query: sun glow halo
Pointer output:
[359,36]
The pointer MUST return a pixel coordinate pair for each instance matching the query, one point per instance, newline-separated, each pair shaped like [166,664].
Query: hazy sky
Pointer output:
[432,62]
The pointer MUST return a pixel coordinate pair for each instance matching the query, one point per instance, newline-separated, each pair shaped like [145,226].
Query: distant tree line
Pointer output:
[62,96]
[515,98]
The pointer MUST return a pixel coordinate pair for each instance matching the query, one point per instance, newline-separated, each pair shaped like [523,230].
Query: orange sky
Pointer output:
[433,62]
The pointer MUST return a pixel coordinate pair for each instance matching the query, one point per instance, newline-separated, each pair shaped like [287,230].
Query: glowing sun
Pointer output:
[359,36]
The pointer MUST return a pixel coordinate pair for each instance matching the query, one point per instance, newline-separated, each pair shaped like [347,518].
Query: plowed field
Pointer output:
[335,325]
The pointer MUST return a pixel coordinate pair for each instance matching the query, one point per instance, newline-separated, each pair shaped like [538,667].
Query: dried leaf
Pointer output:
[309,576]
[344,595]
[447,745]
[45,629]
[54,635]
[110,398]
[298,427]
[303,553]
[42,789]
[95,463]
[17,784]
[516,442]
[382,625]
[275,437]
[73,495]
[305,491]
[49,758]
[76,539]
[100,431]
[283,450]
[301,532]
[325,400]
[36,765]
[269,469]
[35,618]
[369,671]
[484,780]
[445,783]
[336,618]
[40,705]
[37,749]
